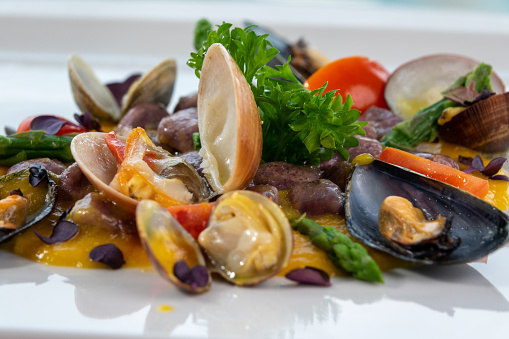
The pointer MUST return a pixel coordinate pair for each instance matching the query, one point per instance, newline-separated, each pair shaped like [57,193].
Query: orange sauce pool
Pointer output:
[75,252]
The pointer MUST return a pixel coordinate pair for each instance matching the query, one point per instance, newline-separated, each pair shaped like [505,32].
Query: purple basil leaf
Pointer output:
[465,160]
[37,174]
[88,121]
[462,94]
[118,89]
[485,93]
[63,231]
[50,124]
[494,166]
[499,177]
[477,165]
[198,276]
[182,271]
[16,192]
[309,276]
[107,254]
[66,213]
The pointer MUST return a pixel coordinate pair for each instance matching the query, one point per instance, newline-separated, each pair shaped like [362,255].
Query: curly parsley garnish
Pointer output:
[299,126]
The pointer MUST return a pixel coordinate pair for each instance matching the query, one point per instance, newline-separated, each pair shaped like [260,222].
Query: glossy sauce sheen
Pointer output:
[75,251]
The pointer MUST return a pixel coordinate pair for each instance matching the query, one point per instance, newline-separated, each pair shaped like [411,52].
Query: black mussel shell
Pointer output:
[481,227]
[38,208]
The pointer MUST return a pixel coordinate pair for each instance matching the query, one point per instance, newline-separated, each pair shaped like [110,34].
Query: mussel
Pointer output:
[91,95]
[478,227]
[36,203]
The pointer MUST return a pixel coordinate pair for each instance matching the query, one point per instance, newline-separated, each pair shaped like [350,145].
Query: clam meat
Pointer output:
[465,227]
[248,238]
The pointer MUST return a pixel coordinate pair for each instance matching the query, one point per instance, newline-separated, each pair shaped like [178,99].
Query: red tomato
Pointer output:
[69,128]
[362,78]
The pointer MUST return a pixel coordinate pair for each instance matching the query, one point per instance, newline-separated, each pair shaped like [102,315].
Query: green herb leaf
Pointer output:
[299,126]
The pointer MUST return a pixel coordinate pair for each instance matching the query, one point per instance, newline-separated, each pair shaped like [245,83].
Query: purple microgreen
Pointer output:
[16,192]
[309,276]
[485,93]
[499,177]
[494,166]
[63,231]
[198,276]
[476,164]
[66,213]
[107,254]
[118,89]
[50,124]
[462,94]
[9,130]
[37,174]
[88,121]
[465,160]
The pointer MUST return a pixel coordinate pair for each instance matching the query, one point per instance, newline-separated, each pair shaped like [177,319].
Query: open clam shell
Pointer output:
[229,123]
[156,86]
[99,165]
[484,126]
[168,243]
[481,227]
[420,82]
[90,93]
[248,238]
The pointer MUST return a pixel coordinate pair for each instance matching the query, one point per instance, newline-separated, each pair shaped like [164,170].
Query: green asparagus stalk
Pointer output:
[423,125]
[342,251]
[34,144]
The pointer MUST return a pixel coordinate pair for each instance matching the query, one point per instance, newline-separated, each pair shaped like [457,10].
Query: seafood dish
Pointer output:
[278,165]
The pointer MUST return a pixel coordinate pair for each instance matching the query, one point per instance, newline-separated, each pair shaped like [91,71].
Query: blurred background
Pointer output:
[118,37]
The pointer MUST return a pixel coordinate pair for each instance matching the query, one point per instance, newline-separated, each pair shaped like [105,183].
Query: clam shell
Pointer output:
[156,86]
[419,82]
[167,242]
[481,227]
[248,238]
[483,126]
[229,123]
[90,93]
[99,165]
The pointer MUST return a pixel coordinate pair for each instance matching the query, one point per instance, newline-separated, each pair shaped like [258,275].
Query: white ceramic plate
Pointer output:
[38,301]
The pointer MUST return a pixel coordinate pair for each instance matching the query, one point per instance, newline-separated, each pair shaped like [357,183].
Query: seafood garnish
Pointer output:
[248,238]
[19,213]
[480,227]
[167,244]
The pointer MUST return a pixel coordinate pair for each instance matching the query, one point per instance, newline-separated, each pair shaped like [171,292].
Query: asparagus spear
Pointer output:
[342,251]
[423,125]
[34,144]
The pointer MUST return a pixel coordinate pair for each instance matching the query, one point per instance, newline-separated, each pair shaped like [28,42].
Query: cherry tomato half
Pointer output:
[69,128]
[362,78]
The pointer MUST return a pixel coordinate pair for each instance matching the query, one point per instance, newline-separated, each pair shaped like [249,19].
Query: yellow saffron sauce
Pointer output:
[75,252]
